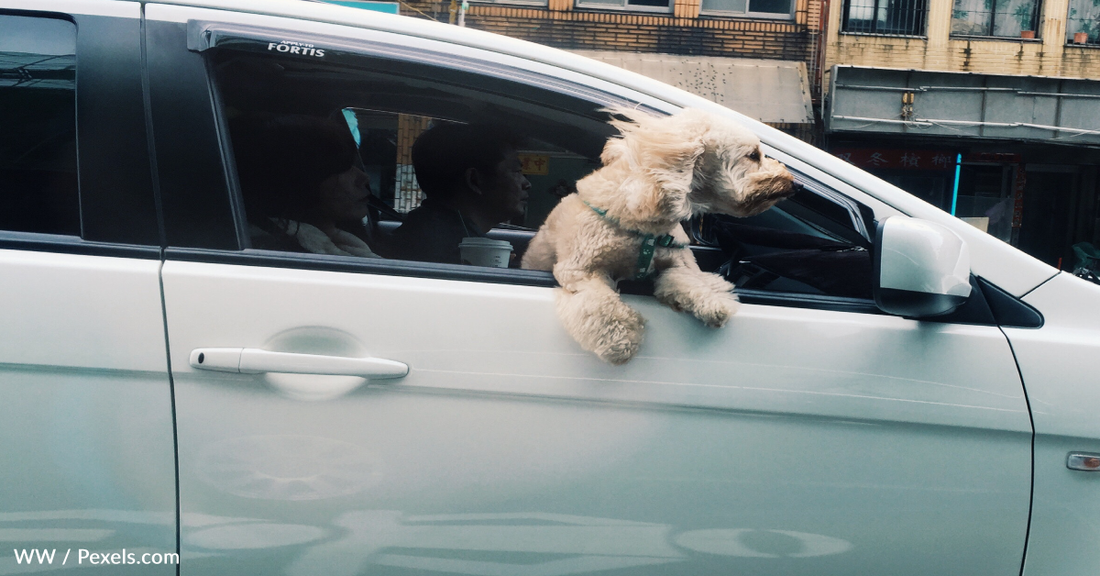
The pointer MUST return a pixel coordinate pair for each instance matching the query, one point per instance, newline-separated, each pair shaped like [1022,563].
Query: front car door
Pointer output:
[812,435]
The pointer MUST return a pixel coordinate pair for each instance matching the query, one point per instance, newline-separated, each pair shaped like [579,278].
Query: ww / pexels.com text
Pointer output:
[80,556]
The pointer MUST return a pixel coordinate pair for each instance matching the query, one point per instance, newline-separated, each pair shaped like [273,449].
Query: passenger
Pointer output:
[302,185]
[472,180]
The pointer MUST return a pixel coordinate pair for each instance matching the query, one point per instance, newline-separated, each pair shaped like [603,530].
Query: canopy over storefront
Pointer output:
[963,105]
[772,91]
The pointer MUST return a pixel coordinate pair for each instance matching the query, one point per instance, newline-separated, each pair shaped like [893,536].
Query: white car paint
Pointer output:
[792,441]
[85,408]
[720,439]
[1061,366]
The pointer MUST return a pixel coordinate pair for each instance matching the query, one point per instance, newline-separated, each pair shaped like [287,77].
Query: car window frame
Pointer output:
[115,184]
[433,271]
[204,36]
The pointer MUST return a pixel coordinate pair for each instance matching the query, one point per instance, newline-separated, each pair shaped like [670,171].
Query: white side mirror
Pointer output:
[921,269]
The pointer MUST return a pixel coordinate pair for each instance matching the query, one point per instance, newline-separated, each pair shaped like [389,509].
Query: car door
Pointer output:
[812,435]
[85,404]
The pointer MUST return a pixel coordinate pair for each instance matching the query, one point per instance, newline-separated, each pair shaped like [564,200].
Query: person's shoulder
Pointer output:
[428,234]
[272,238]
[430,216]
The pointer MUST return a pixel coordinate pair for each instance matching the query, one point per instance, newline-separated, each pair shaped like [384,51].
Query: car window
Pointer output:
[385,108]
[38,178]
[816,243]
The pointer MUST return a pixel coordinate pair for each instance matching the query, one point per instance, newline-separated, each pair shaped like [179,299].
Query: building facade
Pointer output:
[988,108]
[677,41]
[760,57]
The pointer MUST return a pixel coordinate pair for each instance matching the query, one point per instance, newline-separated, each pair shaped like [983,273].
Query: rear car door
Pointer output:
[813,435]
[85,401]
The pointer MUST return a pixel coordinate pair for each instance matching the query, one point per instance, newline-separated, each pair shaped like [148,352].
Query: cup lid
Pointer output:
[485,243]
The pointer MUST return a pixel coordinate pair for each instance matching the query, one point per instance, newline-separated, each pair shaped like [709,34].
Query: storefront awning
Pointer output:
[963,105]
[772,91]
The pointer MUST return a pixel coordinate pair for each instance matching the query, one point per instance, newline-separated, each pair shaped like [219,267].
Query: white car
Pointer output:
[819,432]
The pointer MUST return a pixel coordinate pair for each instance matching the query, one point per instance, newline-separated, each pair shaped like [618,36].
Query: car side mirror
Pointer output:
[921,269]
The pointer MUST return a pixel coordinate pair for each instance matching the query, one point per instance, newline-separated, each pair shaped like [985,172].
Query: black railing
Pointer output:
[903,17]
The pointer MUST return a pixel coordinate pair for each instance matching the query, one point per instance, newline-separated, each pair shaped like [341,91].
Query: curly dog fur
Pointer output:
[661,171]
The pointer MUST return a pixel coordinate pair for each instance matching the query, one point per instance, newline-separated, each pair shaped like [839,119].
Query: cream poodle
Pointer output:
[624,222]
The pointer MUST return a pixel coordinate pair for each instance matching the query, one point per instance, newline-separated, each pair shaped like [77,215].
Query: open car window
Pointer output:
[816,244]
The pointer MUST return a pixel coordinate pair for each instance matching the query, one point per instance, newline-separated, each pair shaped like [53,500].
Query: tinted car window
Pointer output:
[385,108]
[816,244]
[38,183]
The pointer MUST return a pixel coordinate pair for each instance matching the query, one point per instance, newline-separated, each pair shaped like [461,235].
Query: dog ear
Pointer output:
[661,153]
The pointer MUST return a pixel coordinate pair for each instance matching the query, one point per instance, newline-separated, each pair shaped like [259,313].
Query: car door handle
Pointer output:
[256,361]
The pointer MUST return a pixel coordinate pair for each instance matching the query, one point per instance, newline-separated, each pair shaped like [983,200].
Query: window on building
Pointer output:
[38,185]
[515,2]
[1083,22]
[647,5]
[1001,18]
[903,17]
[754,8]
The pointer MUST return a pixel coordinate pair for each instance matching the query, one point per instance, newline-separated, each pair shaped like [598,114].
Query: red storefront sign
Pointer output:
[899,159]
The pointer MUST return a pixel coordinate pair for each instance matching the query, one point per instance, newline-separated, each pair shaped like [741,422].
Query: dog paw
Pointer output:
[619,352]
[600,322]
[718,310]
[619,338]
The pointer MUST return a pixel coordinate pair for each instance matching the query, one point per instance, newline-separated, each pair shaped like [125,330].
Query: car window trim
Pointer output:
[65,244]
[859,225]
[379,266]
[203,35]
[977,313]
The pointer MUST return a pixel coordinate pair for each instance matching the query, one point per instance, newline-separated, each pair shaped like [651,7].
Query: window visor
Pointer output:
[203,36]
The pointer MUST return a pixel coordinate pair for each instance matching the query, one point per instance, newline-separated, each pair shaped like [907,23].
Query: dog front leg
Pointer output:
[593,314]
[540,254]
[707,296]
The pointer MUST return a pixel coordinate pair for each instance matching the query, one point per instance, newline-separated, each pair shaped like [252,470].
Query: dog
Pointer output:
[624,222]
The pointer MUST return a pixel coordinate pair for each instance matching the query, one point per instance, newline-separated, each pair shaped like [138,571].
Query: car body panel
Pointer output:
[779,444]
[793,441]
[85,409]
[1061,366]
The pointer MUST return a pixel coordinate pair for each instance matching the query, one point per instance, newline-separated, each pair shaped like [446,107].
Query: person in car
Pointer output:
[472,180]
[303,187]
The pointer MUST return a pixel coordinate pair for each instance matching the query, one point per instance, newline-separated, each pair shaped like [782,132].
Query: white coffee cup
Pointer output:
[485,252]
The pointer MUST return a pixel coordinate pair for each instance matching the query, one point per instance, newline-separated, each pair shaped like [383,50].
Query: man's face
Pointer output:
[505,191]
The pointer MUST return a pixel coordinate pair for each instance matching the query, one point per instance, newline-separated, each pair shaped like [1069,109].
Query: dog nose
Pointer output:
[796,187]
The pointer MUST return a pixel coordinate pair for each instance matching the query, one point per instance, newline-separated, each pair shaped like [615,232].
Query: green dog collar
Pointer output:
[650,242]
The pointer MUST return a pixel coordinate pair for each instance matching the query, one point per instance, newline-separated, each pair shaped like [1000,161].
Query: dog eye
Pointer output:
[754,155]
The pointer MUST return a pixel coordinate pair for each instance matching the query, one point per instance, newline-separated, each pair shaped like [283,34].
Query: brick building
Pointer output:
[756,38]
[760,57]
[990,109]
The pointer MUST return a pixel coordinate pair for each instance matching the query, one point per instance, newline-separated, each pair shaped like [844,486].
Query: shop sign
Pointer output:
[535,164]
[898,159]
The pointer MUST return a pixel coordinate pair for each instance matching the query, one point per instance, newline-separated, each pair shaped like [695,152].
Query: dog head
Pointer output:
[733,176]
[693,162]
